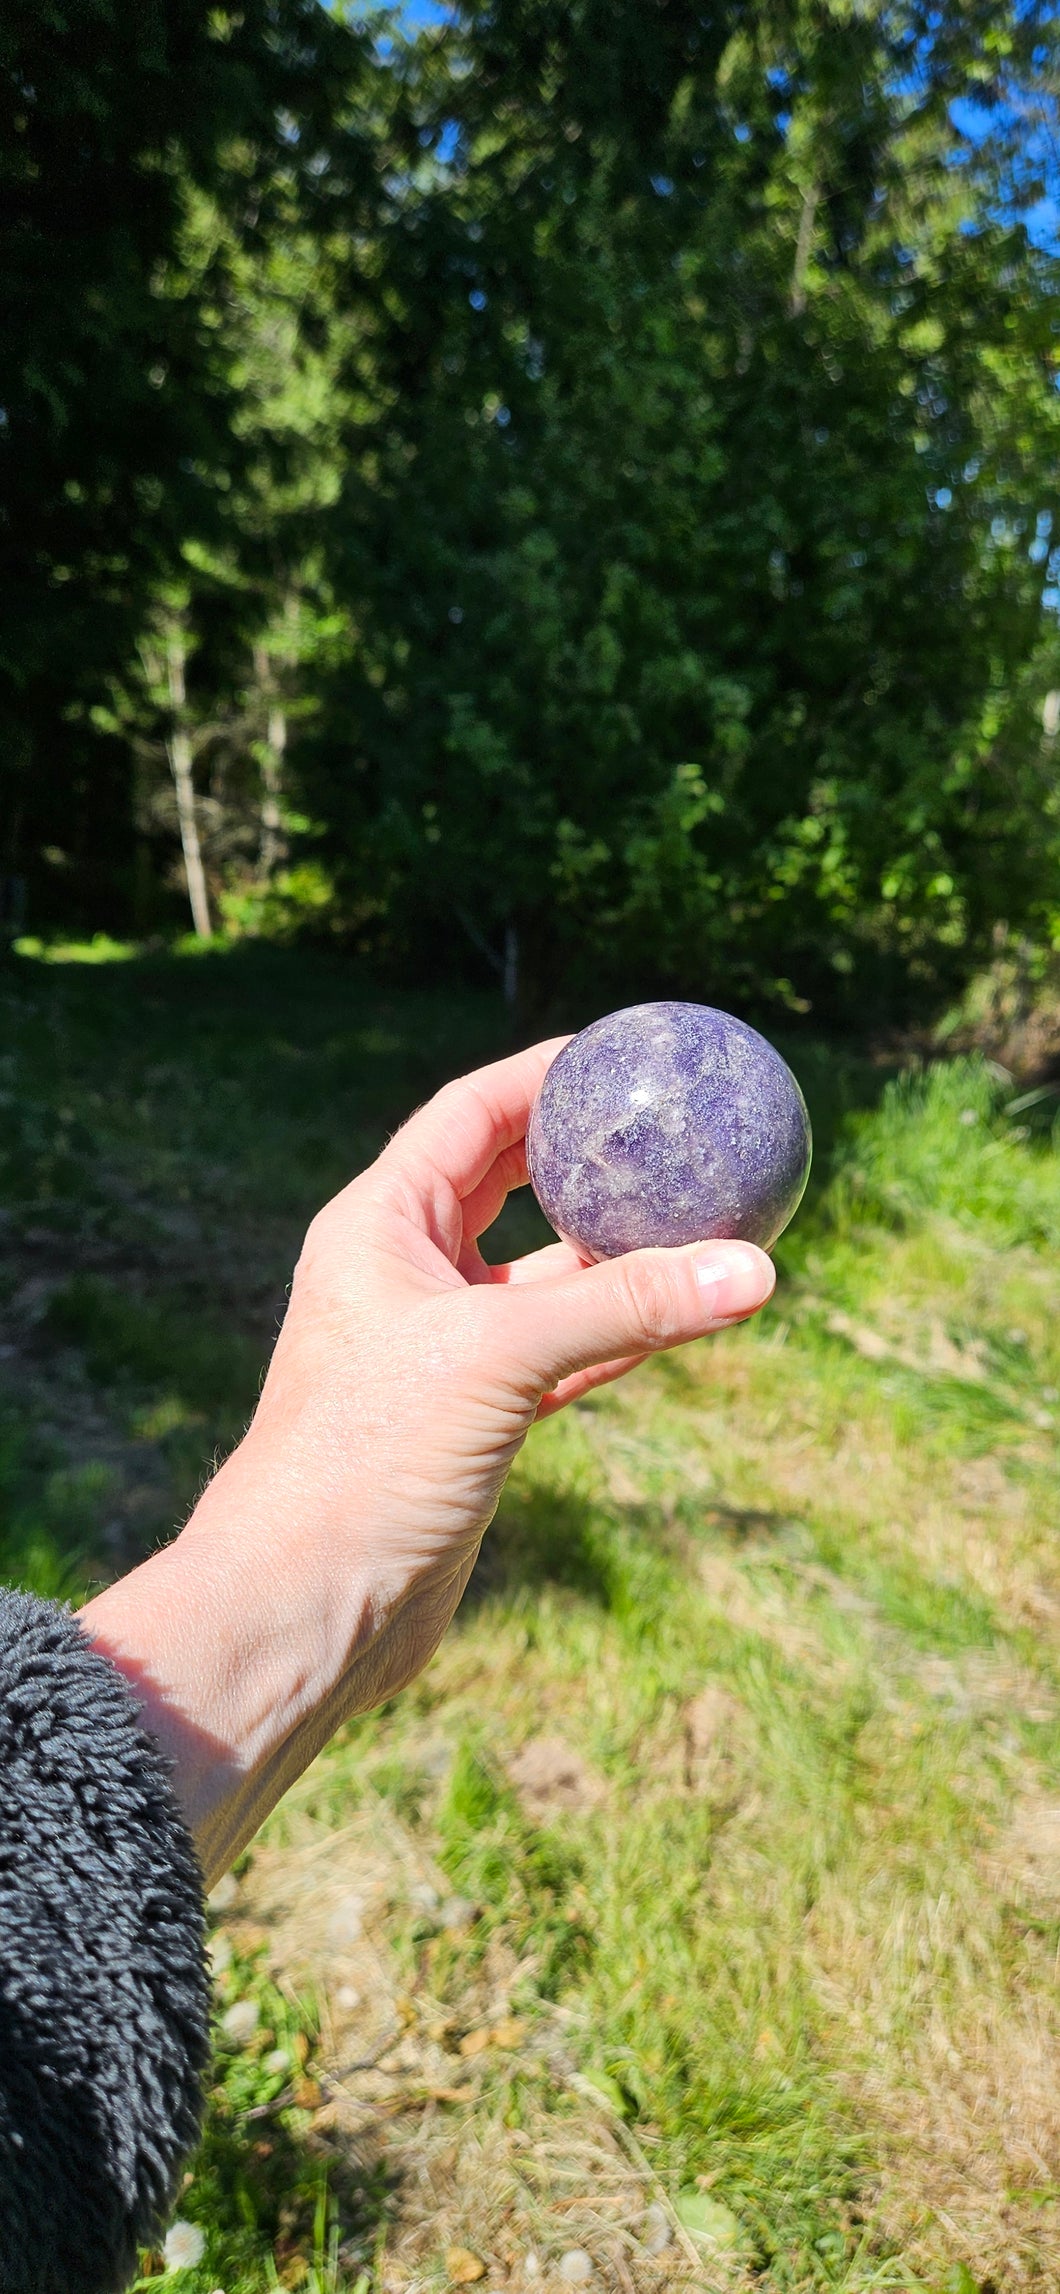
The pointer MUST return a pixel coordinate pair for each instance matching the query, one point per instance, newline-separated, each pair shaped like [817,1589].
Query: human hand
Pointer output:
[324,1562]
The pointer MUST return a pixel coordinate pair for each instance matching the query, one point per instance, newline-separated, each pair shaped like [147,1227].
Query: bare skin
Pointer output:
[321,1567]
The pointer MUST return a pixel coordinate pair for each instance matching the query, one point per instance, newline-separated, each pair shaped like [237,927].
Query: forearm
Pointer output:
[244,1667]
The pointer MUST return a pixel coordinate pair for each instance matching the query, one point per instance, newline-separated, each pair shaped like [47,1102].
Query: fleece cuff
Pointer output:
[104,2000]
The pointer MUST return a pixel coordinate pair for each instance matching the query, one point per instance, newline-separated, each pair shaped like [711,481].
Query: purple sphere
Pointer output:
[668,1123]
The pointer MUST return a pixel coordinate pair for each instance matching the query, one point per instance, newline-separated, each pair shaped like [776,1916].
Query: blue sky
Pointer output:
[1042,220]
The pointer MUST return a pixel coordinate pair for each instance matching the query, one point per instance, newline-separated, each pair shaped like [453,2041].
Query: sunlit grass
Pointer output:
[101,949]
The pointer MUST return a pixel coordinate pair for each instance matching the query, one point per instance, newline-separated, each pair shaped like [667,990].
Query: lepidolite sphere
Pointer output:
[668,1123]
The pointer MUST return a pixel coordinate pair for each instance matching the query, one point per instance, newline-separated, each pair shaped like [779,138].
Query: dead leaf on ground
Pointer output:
[475,2042]
[509,2032]
[464,2267]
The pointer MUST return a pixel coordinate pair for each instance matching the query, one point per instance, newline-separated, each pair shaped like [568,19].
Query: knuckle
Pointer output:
[328,1240]
[653,1301]
[322,1233]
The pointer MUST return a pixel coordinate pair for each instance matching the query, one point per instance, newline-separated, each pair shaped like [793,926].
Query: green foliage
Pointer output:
[120,433]
[715,452]
[598,469]
[282,906]
[49,1512]
[941,1144]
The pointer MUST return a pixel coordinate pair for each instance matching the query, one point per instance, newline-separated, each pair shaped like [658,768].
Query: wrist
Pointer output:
[247,1641]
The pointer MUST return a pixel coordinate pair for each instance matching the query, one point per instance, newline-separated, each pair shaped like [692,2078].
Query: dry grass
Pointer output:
[489,2139]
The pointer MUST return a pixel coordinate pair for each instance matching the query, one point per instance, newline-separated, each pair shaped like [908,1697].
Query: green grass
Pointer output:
[798,1938]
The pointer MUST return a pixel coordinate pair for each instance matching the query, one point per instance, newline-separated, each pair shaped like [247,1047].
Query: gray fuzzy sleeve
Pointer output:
[103,1993]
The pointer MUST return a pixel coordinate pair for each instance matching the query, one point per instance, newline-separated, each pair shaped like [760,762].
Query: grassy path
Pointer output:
[699,1910]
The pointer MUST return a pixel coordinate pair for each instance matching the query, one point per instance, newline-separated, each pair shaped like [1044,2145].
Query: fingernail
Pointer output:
[736,1282]
[709,1272]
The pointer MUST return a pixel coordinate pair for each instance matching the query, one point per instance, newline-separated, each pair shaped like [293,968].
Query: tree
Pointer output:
[602,460]
[255,604]
[692,550]
[117,438]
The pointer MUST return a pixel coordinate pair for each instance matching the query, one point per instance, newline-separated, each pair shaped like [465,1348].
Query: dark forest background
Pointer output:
[559,492]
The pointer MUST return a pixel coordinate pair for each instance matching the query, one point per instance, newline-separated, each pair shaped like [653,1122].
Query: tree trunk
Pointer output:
[803,250]
[178,750]
[273,845]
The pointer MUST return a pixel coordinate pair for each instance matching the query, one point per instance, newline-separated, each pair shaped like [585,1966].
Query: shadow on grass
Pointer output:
[620,1557]
[289,1028]
[154,1343]
[544,1536]
[300,1038]
[266,2190]
[740,1524]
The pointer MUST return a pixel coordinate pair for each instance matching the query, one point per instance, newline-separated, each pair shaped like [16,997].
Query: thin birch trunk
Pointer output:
[803,250]
[178,750]
[273,843]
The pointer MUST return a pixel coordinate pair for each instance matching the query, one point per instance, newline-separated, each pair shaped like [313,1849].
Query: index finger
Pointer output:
[460,1133]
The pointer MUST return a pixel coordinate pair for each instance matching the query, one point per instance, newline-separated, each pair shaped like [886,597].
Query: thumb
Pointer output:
[638,1304]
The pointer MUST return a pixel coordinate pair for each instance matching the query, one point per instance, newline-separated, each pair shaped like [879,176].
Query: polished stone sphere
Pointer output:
[668,1123]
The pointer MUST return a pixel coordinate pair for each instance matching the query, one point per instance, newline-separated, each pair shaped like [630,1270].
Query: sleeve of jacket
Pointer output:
[104,2001]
